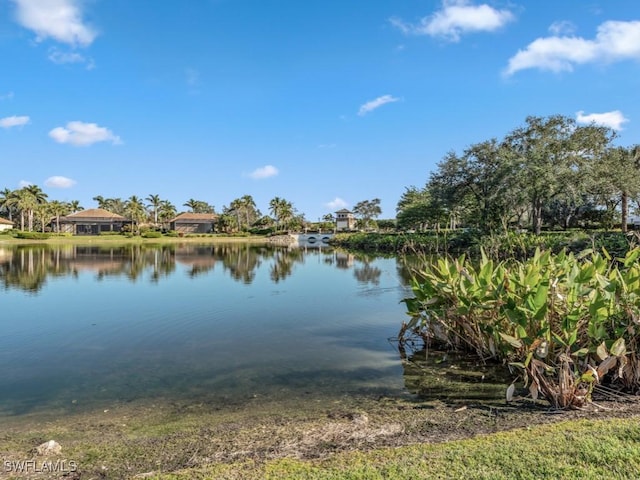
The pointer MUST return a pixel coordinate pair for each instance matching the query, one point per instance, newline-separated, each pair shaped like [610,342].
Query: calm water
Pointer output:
[96,325]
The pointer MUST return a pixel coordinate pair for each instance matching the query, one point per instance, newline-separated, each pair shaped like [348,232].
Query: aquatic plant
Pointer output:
[566,323]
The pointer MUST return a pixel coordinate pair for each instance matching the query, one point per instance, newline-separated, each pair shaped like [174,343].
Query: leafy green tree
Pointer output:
[549,152]
[367,210]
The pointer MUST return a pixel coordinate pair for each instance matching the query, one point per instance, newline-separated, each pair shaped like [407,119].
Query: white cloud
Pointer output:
[563,27]
[371,105]
[25,183]
[614,41]
[336,204]
[14,121]
[613,119]
[456,18]
[264,172]
[60,57]
[59,182]
[57,19]
[7,96]
[83,134]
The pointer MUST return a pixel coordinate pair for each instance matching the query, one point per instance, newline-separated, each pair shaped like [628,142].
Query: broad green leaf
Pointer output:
[618,348]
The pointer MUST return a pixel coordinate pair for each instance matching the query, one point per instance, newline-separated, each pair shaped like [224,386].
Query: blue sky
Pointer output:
[324,103]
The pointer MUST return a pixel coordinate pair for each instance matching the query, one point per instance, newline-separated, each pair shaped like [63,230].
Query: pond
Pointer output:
[87,326]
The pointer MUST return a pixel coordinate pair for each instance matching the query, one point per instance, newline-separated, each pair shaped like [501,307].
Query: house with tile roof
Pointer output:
[5,224]
[92,222]
[194,223]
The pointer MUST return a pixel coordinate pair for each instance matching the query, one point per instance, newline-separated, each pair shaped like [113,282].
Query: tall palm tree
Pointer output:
[134,208]
[7,202]
[37,197]
[58,209]
[74,206]
[154,202]
[166,211]
[102,202]
[281,209]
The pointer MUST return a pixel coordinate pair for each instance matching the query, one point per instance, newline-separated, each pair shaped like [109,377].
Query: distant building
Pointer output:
[91,222]
[5,224]
[194,223]
[345,220]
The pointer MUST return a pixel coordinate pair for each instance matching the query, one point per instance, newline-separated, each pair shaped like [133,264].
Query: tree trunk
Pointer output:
[624,206]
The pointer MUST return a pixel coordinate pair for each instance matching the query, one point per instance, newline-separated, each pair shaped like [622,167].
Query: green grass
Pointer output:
[585,449]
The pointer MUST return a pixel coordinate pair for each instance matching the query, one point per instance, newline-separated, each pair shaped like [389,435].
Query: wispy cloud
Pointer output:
[83,134]
[25,183]
[336,203]
[456,18]
[371,105]
[59,182]
[60,57]
[613,119]
[7,96]
[614,41]
[264,172]
[14,121]
[60,20]
[562,27]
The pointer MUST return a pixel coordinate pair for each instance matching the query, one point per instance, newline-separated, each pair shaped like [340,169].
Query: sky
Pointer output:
[322,103]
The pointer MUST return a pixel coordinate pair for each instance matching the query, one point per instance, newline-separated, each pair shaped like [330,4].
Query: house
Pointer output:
[194,223]
[345,220]
[5,224]
[91,222]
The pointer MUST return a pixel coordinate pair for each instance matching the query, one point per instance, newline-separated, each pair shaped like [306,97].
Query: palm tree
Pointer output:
[154,202]
[7,202]
[58,209]
[102,202]
[281,209]
[192,204]
[166,211]
[37,197]
[134,208]
[74,206]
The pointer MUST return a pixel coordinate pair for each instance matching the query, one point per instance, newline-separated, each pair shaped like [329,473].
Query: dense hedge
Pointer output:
[507,245]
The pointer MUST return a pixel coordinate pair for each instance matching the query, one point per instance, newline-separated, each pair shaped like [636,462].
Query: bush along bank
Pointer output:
[497,246]
[566,324]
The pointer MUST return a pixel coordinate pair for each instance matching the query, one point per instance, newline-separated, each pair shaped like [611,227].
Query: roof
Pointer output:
[100,213]
[4,221]
[195,217]
[344,210]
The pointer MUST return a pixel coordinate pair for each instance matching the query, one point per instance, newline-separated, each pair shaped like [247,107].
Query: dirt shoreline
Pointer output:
[140,437]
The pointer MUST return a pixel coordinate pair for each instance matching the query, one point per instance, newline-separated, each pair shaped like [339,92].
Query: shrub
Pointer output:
[32,235]
[151,234]
[566,322]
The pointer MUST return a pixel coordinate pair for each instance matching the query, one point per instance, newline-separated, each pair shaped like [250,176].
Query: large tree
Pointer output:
[367,210]
[550,153]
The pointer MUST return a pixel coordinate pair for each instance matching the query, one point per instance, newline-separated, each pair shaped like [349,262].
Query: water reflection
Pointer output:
[27,268]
